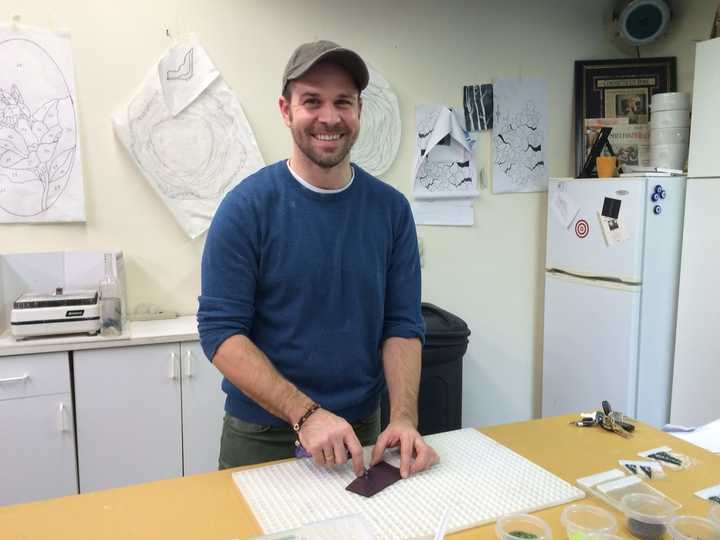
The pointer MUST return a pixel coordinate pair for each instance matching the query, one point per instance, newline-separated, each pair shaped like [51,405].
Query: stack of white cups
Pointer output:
[669,130]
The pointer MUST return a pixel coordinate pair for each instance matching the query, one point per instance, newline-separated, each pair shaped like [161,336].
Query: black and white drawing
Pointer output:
[193,158]
[519,136]
[185,71]
[444,164]
[478,107]
[379,139]
[40,173]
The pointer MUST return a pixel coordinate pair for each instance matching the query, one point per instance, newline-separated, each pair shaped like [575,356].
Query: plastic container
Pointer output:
[660,119]
[586,521]
[522,526]
[670,136]
[647,515]
[693,528]
[671,156]
[669,101]
[715,513]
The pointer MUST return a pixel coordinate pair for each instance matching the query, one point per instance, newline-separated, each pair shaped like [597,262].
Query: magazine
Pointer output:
[630,142]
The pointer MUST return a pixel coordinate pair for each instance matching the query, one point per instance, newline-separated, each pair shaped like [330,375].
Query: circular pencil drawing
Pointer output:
[197,154]
[37,129]
[379,140]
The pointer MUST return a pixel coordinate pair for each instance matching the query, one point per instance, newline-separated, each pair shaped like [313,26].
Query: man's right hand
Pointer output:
[328,438]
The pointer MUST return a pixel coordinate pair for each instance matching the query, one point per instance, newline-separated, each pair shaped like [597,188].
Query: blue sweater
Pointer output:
[317,281]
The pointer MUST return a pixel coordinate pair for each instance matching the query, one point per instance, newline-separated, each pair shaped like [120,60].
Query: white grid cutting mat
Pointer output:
[477,478]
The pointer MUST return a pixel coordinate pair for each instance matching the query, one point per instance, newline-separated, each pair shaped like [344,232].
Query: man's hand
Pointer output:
[412,445]
[328,438]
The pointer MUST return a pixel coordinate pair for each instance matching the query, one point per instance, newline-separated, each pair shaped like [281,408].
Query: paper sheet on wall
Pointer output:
[41,176]
[191,159]
[185,71]
[444,169]
[520,128]
[379,139]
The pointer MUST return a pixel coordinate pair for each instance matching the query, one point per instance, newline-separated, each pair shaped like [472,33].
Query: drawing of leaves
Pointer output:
[10,158]
[48,114]
[61,165]
[17,176]
[29,162]
[11,140]
[45,151]
[52,134]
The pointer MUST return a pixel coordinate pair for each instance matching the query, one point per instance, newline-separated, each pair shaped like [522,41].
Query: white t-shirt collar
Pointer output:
[316,189]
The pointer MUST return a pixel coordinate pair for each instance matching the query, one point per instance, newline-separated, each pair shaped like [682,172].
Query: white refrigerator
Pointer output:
[611,281]
[695,398]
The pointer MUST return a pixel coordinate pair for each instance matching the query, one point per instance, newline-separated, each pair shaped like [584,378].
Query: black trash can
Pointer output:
[440,399]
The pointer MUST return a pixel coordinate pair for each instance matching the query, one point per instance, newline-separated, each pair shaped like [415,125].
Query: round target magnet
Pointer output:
[582,228]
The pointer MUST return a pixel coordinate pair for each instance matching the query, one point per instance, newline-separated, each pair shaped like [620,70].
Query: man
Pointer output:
[311,289]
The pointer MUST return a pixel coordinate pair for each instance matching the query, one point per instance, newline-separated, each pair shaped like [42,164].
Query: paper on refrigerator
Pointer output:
[444,173]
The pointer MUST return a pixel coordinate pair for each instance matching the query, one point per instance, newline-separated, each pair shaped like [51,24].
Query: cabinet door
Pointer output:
[37,454]
[203,404]
[128,415]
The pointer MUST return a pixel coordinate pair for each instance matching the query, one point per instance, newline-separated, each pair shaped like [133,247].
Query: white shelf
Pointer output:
[137,333]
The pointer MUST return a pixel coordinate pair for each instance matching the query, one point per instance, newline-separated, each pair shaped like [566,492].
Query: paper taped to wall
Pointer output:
[194,158]
[41,177]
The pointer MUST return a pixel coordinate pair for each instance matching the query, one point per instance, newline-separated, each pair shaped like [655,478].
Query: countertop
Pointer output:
[137,333]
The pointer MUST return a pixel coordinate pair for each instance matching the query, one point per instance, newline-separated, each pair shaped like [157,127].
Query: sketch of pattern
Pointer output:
[518,138]
[193,158]
[194,155]
[185,71]
[444,166]
[379,140]
[39,154]
[445,176]
[478,107]
[426,118]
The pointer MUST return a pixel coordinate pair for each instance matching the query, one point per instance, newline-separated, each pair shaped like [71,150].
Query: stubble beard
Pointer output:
[303,140]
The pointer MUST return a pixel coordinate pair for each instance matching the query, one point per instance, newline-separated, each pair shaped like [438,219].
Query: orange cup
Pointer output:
[606,166]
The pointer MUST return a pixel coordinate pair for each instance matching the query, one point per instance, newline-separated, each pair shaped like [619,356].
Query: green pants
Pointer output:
[244,443]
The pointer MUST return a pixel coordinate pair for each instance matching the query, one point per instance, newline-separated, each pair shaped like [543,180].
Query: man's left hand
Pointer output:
[415,454]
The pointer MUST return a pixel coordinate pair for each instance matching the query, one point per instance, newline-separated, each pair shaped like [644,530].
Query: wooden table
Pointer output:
[208,506]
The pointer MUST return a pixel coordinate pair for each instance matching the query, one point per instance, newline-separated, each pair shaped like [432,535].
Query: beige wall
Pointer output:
[490,274]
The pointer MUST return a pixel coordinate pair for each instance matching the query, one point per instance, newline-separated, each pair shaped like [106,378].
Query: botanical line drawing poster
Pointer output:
[41,176]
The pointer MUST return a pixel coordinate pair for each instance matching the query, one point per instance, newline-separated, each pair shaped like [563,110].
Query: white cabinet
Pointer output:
[140,409]
[37,453]
[203,403]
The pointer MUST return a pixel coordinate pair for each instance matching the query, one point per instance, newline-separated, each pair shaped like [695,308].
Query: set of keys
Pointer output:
[607,419]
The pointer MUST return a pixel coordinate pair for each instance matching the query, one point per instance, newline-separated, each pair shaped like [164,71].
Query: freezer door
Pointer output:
[575,240]
[590,345]
[703,156]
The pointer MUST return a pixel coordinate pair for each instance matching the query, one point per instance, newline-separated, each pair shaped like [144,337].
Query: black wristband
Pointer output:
[298,426]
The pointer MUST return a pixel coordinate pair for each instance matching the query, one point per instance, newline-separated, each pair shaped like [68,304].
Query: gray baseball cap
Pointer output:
[309,54]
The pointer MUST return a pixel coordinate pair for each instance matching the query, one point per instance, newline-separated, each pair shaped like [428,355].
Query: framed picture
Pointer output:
[620,89]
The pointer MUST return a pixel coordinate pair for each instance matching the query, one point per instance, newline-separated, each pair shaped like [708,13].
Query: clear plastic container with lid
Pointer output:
[715,513]
[693,528]
[583,521]
[522,527]
[647,515]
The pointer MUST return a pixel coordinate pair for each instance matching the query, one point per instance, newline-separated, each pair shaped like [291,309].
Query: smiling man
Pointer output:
[310,298]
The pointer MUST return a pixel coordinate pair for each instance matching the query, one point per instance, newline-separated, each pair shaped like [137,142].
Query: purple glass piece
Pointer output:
[375,479]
